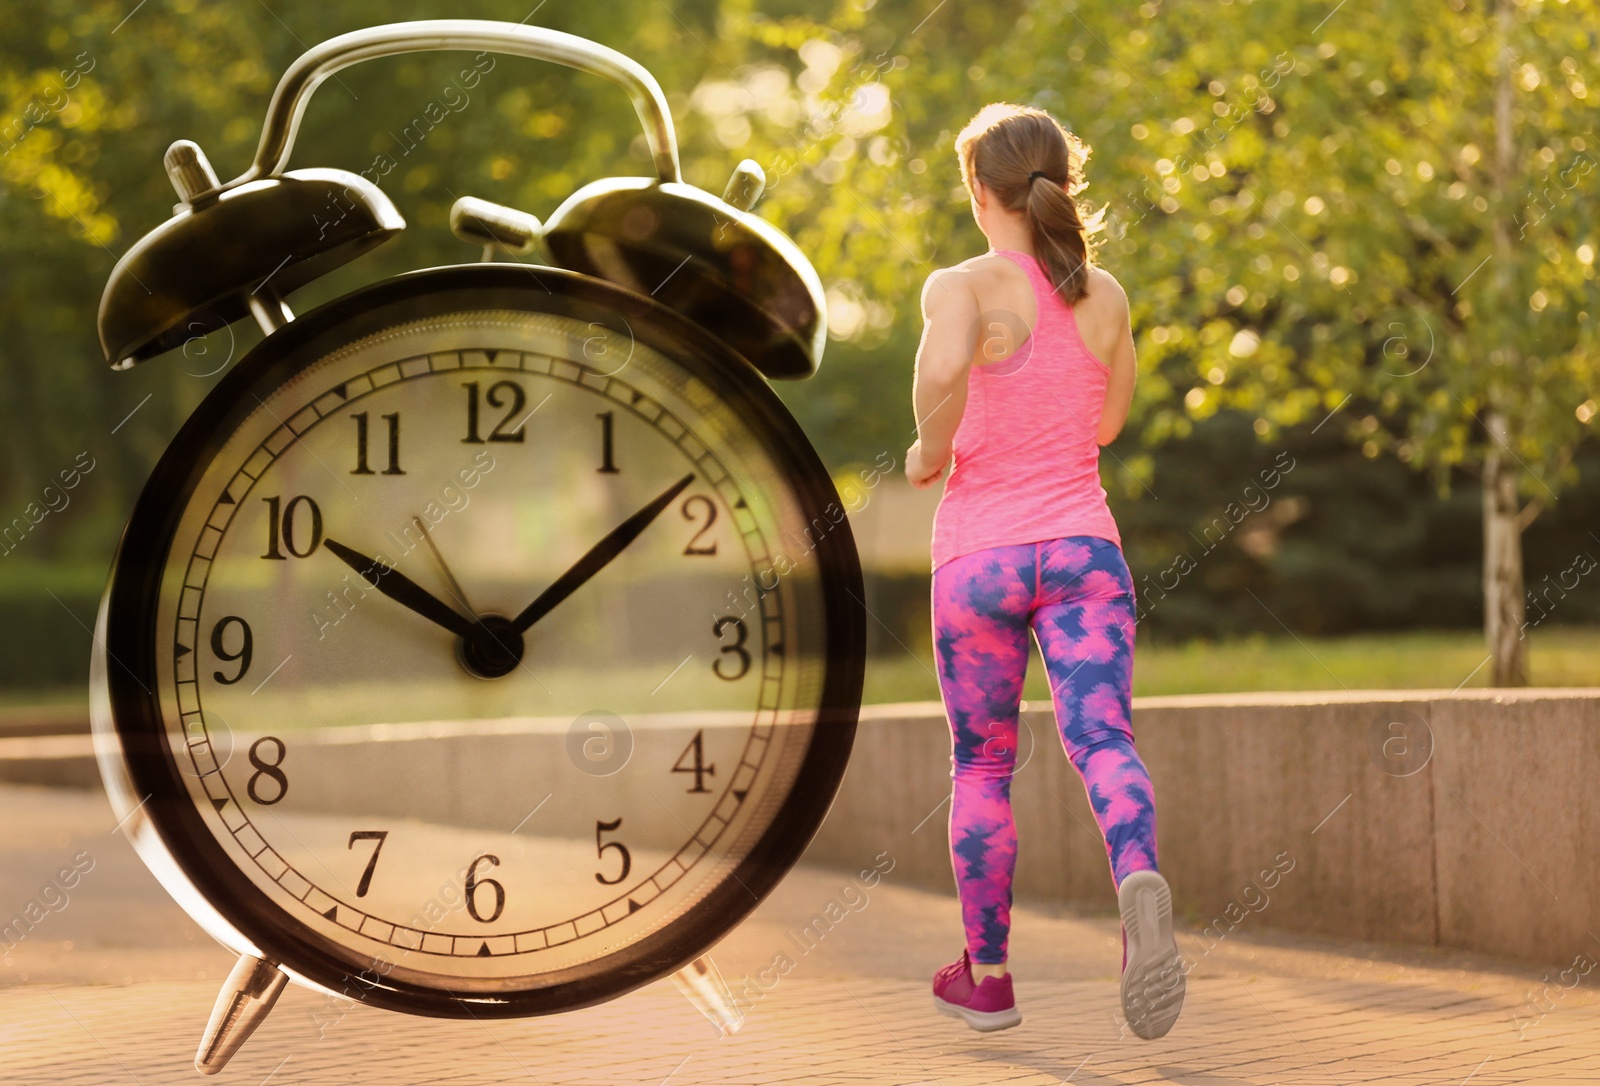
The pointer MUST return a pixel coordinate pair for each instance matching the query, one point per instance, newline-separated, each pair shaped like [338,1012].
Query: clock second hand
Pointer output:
[597,556]
[444,567]
[400,588]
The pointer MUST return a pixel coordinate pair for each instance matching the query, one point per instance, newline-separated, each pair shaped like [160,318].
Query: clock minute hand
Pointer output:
[400,588]
[596,558]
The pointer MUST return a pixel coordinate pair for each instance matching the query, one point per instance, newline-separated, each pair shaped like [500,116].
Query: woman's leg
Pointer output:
[981,603]
[1085,627]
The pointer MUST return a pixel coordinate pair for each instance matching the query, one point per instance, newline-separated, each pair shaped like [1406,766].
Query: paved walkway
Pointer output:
[116,984]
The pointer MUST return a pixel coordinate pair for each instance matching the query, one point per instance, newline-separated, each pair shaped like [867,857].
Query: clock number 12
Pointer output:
[507,394]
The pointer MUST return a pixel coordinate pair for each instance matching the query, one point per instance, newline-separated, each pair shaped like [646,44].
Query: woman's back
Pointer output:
[1026,454]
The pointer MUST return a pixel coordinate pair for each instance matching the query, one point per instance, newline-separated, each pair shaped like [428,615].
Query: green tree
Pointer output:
[1370,217]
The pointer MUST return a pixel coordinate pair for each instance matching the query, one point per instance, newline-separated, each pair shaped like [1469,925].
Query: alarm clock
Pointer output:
[489,641]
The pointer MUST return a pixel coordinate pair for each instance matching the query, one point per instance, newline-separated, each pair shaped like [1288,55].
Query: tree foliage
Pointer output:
[1299,199]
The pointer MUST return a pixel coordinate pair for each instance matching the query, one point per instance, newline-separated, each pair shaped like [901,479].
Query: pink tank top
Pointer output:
[1027,462]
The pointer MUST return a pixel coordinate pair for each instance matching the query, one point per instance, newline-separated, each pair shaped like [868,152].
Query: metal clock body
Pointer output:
[547,551]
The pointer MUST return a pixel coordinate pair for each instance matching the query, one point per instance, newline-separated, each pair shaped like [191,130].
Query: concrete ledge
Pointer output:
[1460,819]
[58,761]
[21,720]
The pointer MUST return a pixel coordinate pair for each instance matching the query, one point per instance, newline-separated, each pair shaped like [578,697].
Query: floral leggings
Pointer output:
[1077,596]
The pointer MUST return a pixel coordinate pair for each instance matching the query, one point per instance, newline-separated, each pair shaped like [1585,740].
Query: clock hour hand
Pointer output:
[400,588]
[596,558]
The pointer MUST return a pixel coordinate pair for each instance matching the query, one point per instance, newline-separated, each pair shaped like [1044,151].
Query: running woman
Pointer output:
[1026,368]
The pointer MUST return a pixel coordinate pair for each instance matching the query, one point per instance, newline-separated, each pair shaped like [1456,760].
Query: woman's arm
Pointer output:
[1119,385]
[939,390]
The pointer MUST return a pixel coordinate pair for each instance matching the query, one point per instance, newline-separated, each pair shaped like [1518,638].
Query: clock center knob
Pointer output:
[492,649]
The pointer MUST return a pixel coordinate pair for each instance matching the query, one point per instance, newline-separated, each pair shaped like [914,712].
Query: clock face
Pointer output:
[491,650]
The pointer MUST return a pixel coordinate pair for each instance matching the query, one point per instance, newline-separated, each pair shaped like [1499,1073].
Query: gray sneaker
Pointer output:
[1153,975]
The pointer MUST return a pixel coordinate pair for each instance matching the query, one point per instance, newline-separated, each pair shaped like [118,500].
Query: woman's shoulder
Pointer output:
[1105,294]
[1099,276]
[975,269]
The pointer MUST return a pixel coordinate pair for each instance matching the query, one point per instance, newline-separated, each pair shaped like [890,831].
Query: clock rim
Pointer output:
[138,732]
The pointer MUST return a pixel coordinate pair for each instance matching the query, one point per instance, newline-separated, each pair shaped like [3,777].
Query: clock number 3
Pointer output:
[269,770]
[474,884]
[736,650]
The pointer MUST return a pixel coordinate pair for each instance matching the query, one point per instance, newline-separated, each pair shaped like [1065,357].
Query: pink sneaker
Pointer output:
[986,1006]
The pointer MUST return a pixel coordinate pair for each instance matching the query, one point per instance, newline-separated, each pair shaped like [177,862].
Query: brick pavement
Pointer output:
[116,986]
[824,1030]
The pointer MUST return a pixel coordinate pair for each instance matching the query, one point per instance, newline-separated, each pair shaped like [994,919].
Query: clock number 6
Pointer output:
[368,835]
[736,649]
[269,770]
[218,646]
[474,884]
[600,850]
[281,528]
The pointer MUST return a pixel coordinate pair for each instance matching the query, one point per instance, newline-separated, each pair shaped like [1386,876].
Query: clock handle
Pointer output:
[701,984]
[247,995]
[393,39]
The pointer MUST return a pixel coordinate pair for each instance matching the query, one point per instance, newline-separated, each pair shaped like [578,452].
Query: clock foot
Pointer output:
[701,983]
[246,997]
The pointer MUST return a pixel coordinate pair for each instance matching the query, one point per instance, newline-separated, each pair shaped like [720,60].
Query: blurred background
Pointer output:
[1358,240]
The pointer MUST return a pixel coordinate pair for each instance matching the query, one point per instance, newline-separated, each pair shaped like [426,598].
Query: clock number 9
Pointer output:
[600,850]
[218,646]
[474,884]
[281,528]
[736,649]
[519,399]
[267,769]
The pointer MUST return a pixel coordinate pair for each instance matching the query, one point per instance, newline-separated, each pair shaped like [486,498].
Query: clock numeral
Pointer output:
[689,505]
[281,533]
[600,850]
[368,835]
[219,647]
[699,768]
[498,392]
[736,649]
[474,884]
[608,465]
[269,770]
[361,468]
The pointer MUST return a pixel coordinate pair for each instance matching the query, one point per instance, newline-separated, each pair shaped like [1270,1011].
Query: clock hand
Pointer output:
[596,558]
[398,587]
[456,590]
